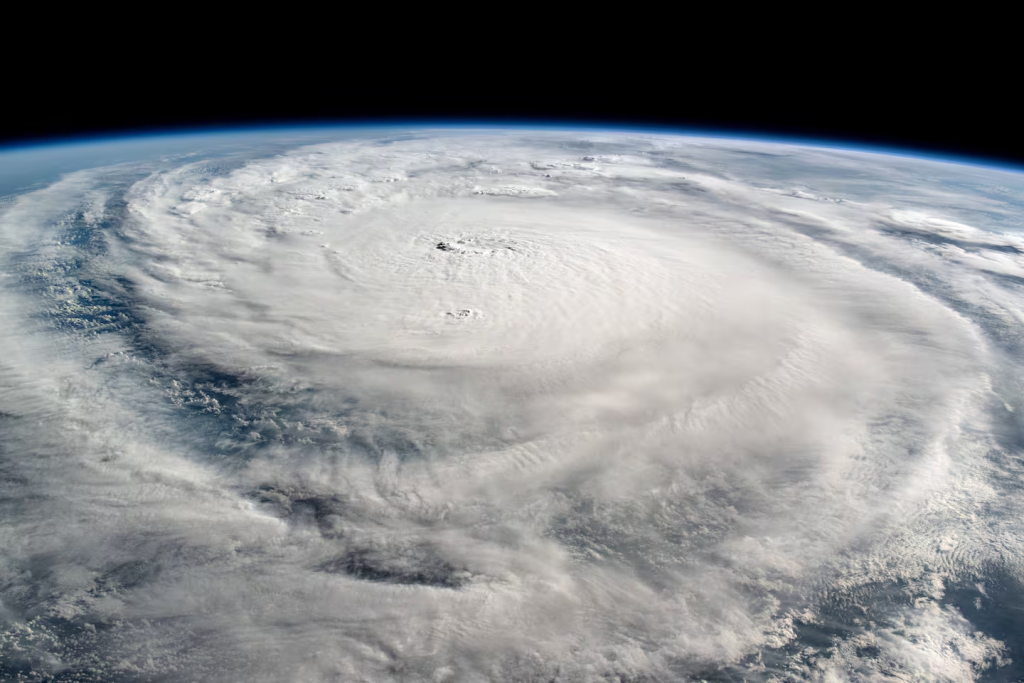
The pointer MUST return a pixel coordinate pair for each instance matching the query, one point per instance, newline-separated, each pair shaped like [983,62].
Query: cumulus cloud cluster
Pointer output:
[512,406]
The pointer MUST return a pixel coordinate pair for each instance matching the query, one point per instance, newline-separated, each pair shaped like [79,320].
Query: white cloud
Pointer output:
[629,426]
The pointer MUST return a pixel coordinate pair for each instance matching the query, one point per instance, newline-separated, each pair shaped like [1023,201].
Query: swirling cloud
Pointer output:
[466,406]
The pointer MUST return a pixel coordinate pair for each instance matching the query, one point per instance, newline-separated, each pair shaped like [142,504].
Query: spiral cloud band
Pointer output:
[513,406]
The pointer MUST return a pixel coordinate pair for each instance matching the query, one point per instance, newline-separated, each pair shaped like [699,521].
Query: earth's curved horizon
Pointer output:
[437,404]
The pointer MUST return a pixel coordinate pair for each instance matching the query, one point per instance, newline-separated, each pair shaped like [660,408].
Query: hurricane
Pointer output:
[512,405]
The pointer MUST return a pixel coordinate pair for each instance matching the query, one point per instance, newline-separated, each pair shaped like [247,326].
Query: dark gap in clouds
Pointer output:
[998,613]
[406,561]
[416,565]
[321,509]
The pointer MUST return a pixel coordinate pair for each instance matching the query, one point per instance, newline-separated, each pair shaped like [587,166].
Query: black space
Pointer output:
[918,101]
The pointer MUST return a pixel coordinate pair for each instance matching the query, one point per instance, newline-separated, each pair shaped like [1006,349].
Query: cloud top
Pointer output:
[511,407]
